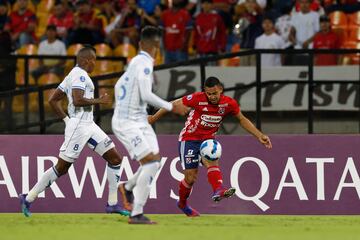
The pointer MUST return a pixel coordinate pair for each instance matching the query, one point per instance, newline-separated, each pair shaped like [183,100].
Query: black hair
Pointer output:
[51,27]
[268,17]
[85,52]
[150,33]
[212,82]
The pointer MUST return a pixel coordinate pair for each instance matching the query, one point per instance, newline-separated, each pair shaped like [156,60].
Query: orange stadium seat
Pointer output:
[45,6]
[28,49]
[354,34]
[72,50]
[354,19]
[351,59]
[342,32]
[42,18]
[338,18]
[103,66]
[125,50]
[45,79]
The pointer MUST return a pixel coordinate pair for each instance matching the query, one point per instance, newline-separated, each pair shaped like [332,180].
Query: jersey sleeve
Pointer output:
[145,86]
[62,86]
[79,82]
[191,100]
[234,107]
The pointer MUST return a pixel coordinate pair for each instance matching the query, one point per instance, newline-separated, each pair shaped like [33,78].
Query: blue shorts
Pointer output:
[189,152]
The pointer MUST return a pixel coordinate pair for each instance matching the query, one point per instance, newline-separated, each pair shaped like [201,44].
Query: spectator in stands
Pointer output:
[305,24]
[50,46]
[326,39]
[148,6]
[3,14]
[177,24]
[209,31]
[315,6]
[21,25]
[283,25]
[63,19]
[88,27]
[269,40]
[261,3]
[127,28]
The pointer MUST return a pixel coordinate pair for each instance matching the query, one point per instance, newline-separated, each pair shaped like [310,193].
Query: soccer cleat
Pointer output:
[127,197]
[140,219]
[25,205]
[116,209]
[222,193]
[189,211]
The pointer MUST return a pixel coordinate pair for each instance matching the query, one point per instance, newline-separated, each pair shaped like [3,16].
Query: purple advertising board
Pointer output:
[302,174]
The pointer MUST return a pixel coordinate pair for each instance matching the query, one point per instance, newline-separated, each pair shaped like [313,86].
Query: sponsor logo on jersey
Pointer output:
[211,125]
[147,71]
[205,109]
[221,110]
[223,105]
[189,97]
[203,103]
[82,78]
[107,142]
[211,119]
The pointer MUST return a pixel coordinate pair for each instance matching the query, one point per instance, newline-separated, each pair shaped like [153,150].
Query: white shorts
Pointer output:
[138,138]
[77,134]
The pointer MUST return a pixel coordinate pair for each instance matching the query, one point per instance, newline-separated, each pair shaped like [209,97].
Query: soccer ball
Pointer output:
[210,150]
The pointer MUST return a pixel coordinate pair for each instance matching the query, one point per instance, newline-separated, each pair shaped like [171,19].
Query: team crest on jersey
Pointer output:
[221,110]
[147,71]
[189,97]
[205,109]
[82,78]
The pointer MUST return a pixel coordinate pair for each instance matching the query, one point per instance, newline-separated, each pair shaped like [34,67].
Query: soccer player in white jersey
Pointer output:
[133,92]
[80,130]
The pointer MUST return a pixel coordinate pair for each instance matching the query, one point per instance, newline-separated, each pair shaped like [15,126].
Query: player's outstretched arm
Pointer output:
[80,101]
[249,126]
[55,103]
[162,111]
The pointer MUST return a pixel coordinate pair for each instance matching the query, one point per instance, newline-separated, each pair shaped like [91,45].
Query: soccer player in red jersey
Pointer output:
[209,108]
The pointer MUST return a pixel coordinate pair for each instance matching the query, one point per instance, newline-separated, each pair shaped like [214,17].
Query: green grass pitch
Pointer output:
[206,227]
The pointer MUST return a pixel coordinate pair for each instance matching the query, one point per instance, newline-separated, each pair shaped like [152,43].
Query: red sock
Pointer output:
[184,193]
[215,177]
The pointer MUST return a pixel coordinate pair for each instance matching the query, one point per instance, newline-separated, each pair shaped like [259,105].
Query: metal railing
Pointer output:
[202,63]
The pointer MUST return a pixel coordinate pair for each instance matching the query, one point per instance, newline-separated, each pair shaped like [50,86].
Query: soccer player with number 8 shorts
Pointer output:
[209,108]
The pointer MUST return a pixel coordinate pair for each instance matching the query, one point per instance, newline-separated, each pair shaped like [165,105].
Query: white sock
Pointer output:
[113,177]
[46,180]
[142,189]
[130,184]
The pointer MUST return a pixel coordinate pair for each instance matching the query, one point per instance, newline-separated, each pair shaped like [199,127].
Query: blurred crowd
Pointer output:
[195,27]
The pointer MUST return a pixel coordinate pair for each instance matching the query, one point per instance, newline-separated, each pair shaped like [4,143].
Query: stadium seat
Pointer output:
[338,18]
[42,18]
[28,49]
[351,59]
[342,33]
[231,62]
[46,79]
[354,34]
[72,50]
[103,66]
[354,19]
[125,50]
[18,104]
[45,6]
[159,59]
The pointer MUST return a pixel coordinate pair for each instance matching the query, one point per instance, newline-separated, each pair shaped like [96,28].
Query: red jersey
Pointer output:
[62,24]
[19,23]
[175,24]
[205,118]
[326,41]
[209,33]
[314,6]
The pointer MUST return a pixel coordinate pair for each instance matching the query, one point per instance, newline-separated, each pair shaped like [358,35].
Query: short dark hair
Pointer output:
[51,27]
[212,82]
[86,48]
[149,33]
